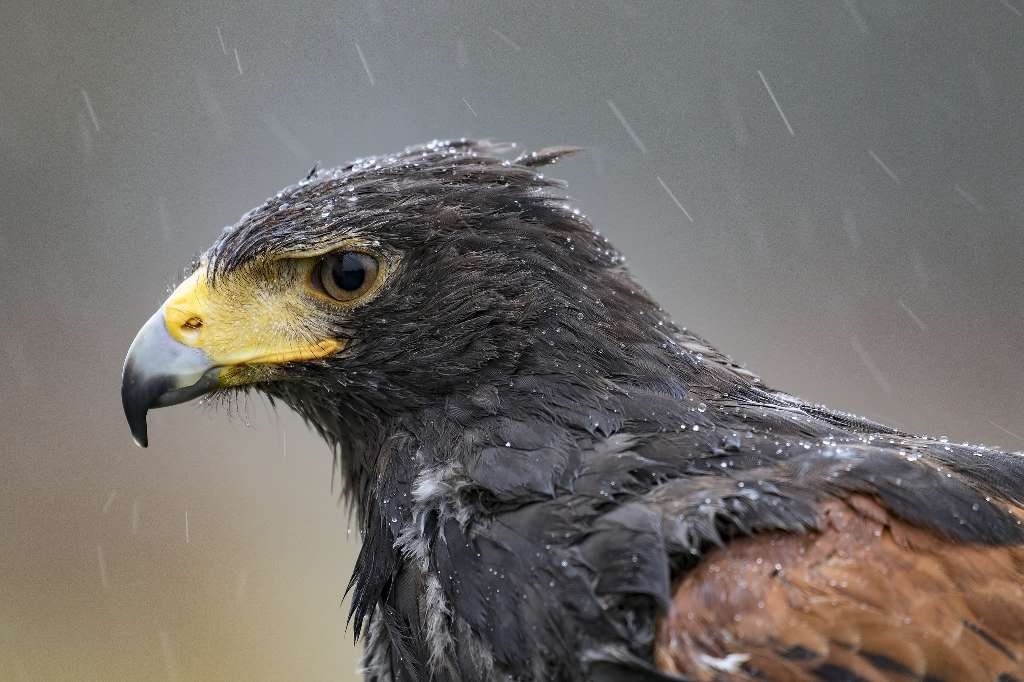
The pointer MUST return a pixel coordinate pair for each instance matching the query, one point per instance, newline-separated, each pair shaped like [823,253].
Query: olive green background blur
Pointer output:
[870,260]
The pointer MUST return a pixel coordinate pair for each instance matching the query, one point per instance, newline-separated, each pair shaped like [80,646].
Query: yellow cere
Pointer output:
[255,318]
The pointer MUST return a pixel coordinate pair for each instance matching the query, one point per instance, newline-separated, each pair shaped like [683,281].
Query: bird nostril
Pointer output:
[185,324]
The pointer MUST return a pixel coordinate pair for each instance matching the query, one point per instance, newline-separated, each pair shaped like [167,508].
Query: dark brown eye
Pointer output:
[347,275]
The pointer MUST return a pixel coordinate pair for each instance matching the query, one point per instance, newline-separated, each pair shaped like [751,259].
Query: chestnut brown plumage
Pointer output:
[863,597]
[553,481]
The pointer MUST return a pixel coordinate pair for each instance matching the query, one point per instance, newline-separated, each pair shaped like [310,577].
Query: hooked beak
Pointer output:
[160,371]
[201,339]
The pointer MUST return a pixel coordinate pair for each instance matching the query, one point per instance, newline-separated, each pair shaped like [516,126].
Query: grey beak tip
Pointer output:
[140,432]
[136,401]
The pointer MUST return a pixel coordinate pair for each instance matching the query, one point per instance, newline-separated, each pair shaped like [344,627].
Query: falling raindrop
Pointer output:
[1005,430]
[968,197]
[102,561]
[110,501]
[220,38]
[1008,5]
[672,196]
[910,313]
[505,39]
[628,128]
[881,164]
[778,107]
[872,368]
[366,66]
[92,112]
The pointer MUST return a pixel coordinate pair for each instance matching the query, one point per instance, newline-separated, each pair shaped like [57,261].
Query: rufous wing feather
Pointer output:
[867,597]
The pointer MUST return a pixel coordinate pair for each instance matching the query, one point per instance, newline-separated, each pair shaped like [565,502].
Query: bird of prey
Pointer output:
[552,480]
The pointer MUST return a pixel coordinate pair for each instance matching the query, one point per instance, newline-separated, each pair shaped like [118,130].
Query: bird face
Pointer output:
[390,278]
[250,325]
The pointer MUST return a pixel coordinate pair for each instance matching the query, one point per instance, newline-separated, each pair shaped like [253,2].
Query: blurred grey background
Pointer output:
[862,248]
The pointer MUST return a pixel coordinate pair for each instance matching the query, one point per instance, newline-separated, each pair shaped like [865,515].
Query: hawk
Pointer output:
[552,480]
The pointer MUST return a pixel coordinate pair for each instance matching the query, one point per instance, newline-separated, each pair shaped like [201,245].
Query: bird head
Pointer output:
[381,285]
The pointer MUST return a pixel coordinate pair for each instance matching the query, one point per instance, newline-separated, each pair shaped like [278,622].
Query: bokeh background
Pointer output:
[859,243]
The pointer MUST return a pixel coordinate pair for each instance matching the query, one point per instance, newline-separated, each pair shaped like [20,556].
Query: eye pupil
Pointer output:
[349,272]
[346,276]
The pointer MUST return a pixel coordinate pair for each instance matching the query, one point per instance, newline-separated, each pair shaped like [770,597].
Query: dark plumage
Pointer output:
[542,464]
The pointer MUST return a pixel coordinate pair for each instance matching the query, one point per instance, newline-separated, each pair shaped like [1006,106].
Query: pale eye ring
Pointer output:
[346,275]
